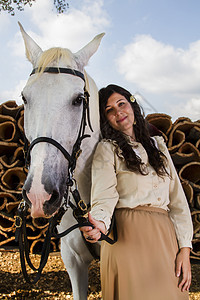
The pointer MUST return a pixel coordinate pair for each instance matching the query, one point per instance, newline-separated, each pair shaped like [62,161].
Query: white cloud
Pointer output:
[159,68]
[172,75]
[4,21]
[14,94]
[72,30]
[191,109]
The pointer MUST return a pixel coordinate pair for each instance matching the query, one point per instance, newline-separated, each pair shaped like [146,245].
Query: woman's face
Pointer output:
[120,114]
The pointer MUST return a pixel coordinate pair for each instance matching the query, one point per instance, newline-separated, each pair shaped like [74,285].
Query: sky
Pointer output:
[150,47]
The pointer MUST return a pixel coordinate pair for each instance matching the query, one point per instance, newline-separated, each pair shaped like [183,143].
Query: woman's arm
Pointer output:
[181,218]
[182,221]
[104,195]
[179,213]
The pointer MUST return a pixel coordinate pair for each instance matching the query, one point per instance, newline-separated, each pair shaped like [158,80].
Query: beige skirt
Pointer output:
[141,264]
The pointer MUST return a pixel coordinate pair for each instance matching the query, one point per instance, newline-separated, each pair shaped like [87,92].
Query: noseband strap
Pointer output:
[50,141]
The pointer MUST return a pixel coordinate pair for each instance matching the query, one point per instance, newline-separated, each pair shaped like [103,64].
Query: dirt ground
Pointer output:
[54,282]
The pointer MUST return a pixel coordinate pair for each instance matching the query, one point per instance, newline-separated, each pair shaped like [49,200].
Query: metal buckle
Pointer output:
[84,207]
[78,153]
[66,201]
[18,219]
[77,216]
[22,205]
[74,185]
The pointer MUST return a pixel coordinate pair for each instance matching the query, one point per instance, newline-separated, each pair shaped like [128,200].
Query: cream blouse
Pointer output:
[114,186]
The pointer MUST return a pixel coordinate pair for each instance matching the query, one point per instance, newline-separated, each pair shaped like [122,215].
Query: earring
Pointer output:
[134,123]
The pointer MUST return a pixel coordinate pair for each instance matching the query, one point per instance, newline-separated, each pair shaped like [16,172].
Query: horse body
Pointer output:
[53,108]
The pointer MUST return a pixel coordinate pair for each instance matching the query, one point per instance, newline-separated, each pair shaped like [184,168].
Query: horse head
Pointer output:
[53,108]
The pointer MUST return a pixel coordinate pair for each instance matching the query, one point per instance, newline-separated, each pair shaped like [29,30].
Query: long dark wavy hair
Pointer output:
[141,130]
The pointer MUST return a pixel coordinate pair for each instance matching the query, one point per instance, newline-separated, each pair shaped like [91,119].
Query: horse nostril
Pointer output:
[51,205]
[54,197]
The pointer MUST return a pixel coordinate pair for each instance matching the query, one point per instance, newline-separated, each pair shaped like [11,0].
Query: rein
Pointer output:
[80,209]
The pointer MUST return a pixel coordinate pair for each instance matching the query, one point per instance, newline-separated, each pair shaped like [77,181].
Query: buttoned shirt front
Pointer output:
[115,186]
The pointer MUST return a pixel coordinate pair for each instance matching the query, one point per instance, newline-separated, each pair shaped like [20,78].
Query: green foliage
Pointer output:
[11,5]
[61,5]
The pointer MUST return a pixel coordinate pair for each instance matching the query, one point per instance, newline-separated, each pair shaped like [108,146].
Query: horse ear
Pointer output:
[33,51]
[84,54]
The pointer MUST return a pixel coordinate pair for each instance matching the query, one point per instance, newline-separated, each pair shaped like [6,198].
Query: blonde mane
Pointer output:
[55,55]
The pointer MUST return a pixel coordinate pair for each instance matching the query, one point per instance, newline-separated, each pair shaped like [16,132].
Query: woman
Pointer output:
[133,176]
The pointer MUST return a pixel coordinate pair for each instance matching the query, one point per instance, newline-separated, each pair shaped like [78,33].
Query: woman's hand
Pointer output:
[92,235]
[183,268]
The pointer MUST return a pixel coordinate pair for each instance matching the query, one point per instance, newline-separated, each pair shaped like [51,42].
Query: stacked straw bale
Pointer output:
[183,141]
[12,177]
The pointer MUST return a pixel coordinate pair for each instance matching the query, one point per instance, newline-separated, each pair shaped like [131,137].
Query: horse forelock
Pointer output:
[55,55]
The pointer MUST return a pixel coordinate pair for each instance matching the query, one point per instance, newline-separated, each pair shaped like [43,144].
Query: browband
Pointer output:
[60,70]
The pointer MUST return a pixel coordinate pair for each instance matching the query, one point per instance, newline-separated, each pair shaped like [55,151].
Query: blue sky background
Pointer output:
[151,47]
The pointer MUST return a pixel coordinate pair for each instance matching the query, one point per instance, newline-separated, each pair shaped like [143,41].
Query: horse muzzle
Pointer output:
[44,207]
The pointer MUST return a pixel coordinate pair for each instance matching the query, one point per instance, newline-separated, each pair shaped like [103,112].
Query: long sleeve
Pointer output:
[104,195]
[179,209]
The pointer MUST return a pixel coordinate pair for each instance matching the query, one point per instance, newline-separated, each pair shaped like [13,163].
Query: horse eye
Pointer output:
[77,101]
[24,99]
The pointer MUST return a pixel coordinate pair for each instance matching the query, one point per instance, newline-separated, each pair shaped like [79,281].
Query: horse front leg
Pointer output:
[76,258]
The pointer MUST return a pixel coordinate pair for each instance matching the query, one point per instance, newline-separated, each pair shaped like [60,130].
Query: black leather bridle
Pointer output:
[85,119]
[79,209]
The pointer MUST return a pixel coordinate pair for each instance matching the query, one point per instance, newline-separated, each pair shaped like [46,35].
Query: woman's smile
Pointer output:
[121,120]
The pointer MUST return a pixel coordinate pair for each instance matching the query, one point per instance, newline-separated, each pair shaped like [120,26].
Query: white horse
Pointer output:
[53,108]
